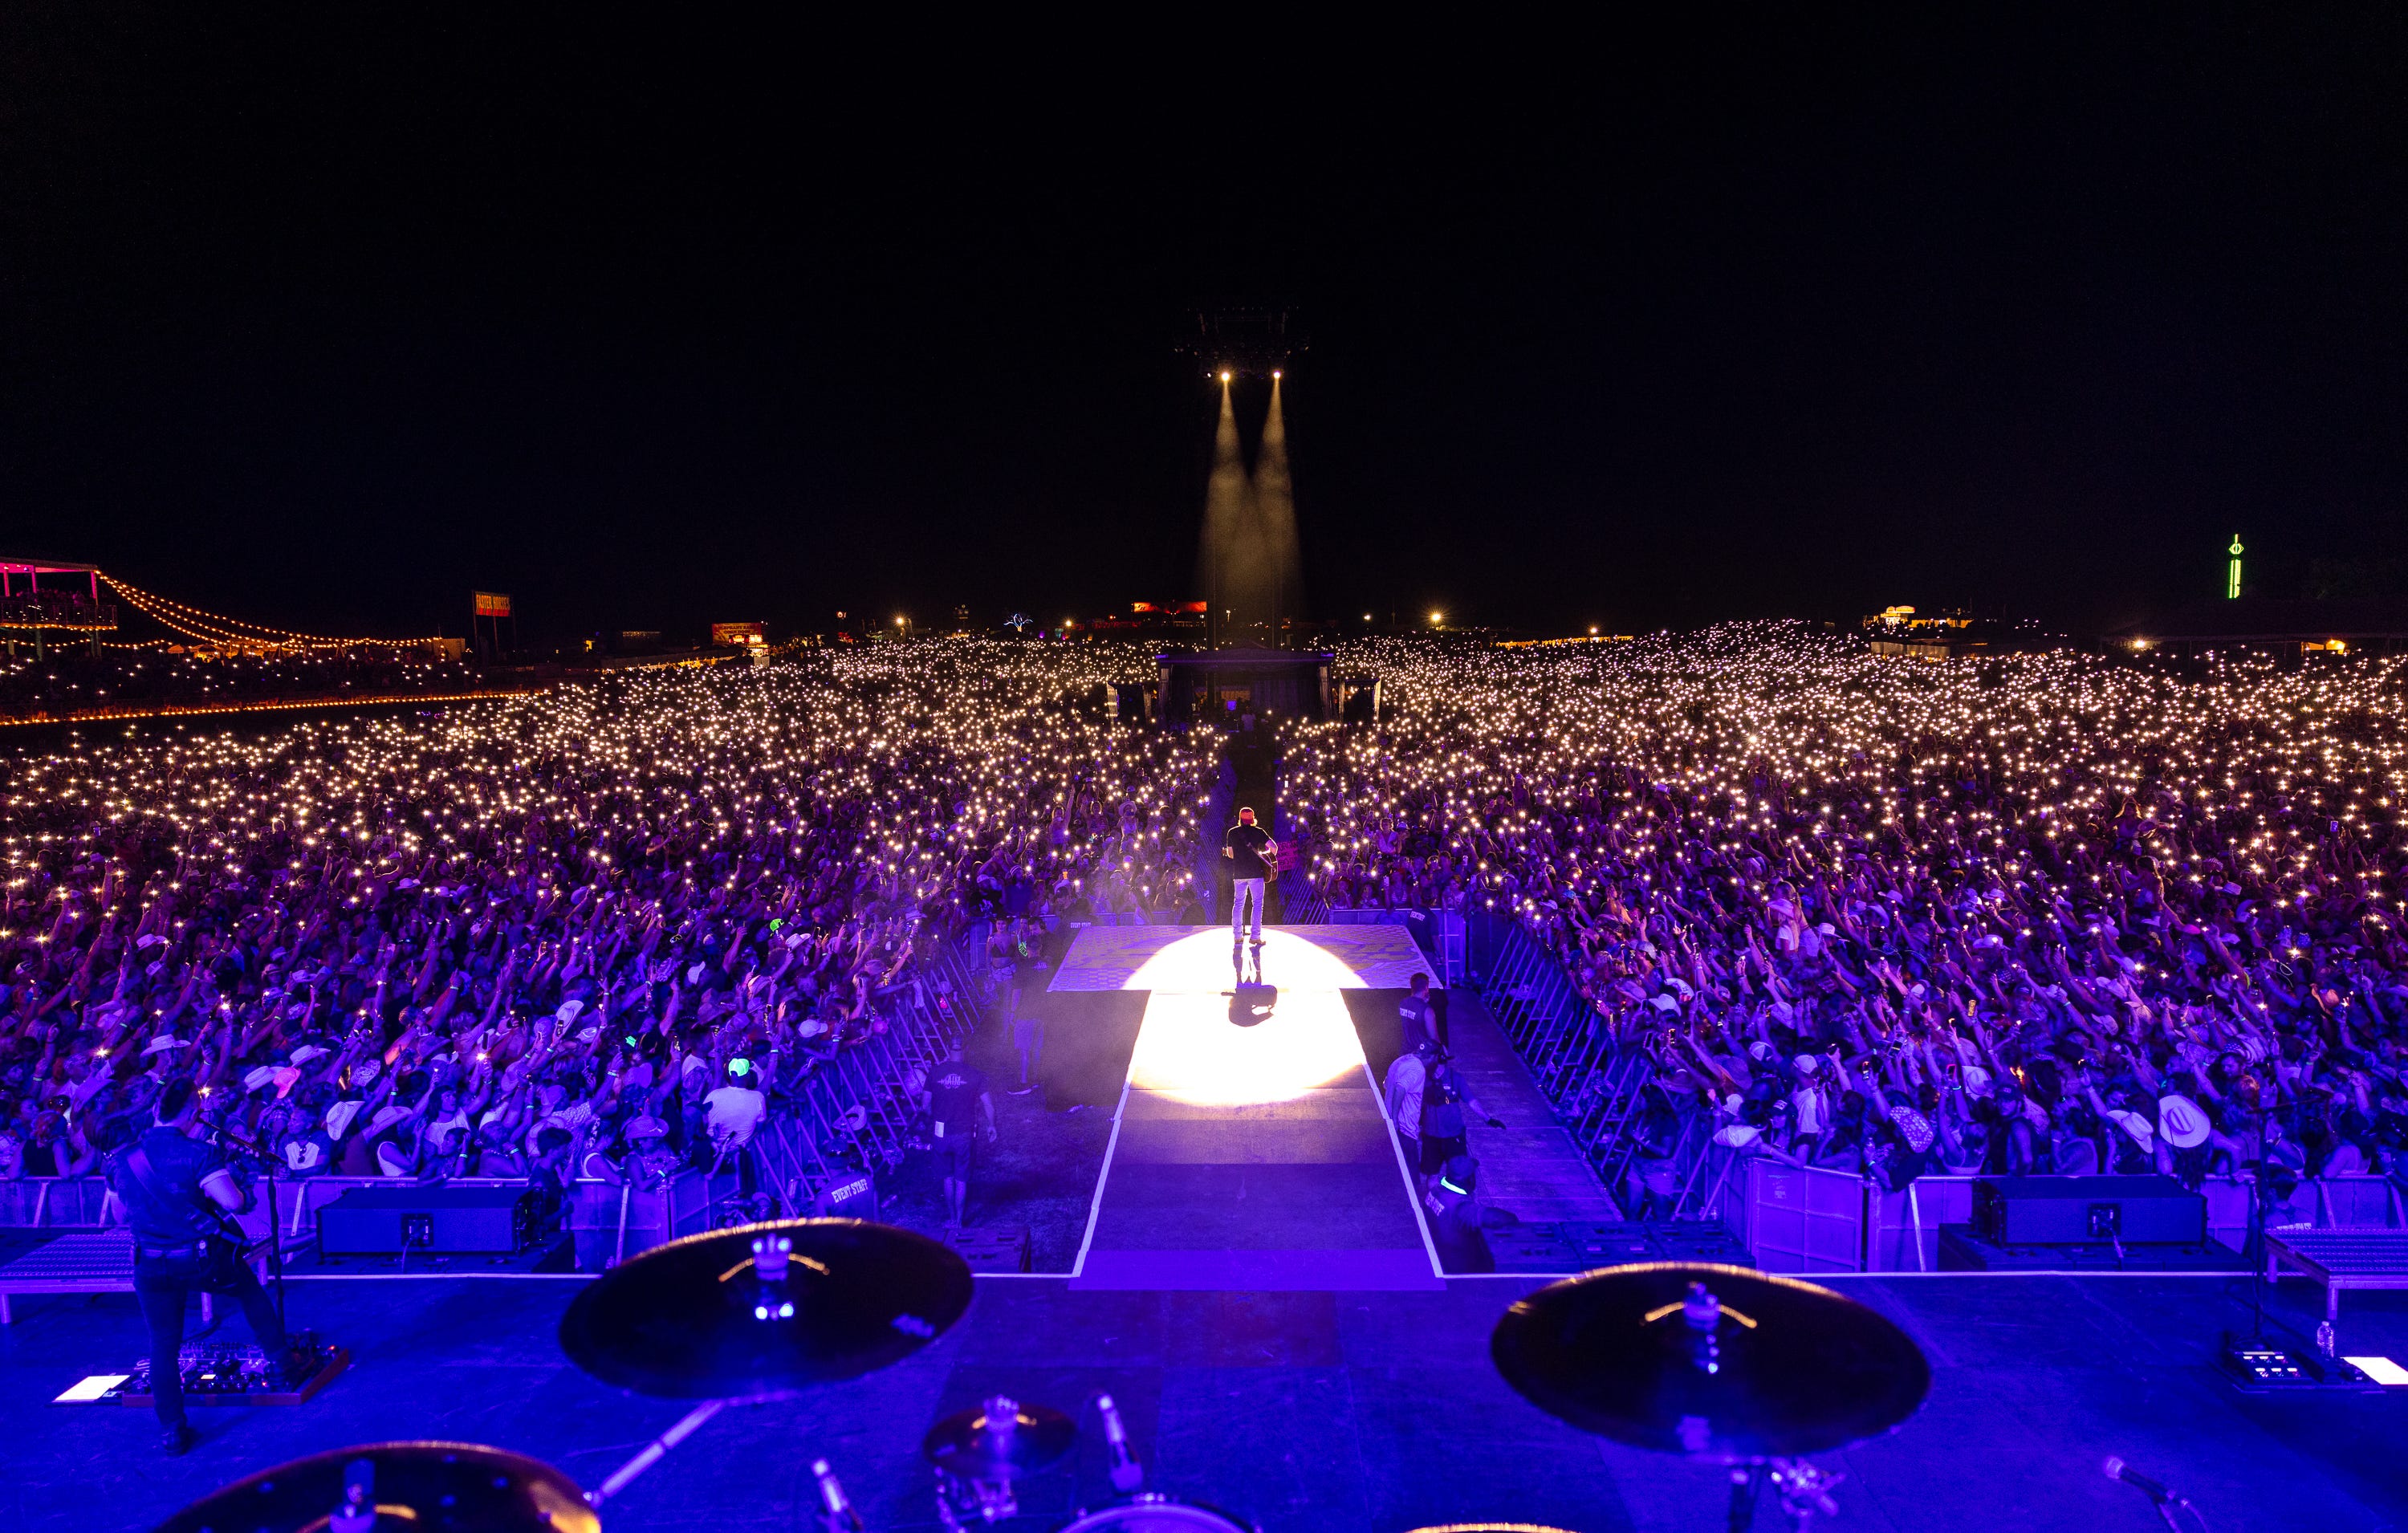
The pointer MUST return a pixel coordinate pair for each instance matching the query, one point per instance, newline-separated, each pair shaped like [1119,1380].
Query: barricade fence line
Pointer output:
[1821,1219]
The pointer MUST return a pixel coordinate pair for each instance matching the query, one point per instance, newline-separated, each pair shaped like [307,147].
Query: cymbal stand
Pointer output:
[772,1258]
[654,1451]
[990,1500]
[1746,1482]
[1805,1491]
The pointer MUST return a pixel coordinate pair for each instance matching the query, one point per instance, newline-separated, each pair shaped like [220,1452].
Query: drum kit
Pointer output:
[1714,1363]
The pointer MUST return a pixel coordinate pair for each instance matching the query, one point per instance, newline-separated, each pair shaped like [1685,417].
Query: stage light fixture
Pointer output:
[1275,373]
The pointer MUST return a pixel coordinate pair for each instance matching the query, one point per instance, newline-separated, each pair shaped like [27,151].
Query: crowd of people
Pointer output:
[2030,912]
[2039,912]
[605,931]
[75,682]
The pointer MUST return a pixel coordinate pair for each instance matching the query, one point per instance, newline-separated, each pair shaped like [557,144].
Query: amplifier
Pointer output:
[2073,1209]
[1962,1251]
[374,1221]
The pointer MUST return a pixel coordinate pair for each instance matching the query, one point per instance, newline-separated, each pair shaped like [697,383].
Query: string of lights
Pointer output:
[216,629]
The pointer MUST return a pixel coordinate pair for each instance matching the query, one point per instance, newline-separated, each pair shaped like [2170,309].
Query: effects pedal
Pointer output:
[2256,1368]
[218,1374]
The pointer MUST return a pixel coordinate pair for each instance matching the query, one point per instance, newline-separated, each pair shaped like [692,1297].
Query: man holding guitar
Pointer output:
[177,1192]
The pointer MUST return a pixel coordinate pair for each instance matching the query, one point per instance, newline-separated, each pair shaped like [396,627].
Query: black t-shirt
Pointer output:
[178,1164]
[1462,1245]
[954,1088]
[1245,845]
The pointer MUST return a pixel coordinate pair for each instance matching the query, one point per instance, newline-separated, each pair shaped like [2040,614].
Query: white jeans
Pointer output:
[1240,889]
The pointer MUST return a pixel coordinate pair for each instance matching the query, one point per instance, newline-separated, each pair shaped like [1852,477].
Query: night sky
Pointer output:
[324,316]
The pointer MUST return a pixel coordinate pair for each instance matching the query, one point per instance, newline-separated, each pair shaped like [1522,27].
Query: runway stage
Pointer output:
[1250,1151]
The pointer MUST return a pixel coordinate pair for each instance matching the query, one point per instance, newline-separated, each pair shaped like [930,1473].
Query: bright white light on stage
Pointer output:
[1188,1048]
[1201,962]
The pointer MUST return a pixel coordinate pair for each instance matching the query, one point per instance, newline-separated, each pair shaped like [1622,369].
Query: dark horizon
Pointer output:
[326,319]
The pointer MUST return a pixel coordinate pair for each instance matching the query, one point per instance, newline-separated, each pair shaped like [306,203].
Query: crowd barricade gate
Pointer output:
[1819,1219]
[1801,1218]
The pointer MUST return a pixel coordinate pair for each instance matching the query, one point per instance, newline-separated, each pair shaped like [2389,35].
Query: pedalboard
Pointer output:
[2258,1367]
[217,1374]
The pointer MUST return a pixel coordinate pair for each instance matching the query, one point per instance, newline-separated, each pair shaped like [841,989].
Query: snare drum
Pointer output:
[1154,1514]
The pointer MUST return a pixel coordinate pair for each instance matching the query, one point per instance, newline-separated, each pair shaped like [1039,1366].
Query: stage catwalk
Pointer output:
[1250,1151]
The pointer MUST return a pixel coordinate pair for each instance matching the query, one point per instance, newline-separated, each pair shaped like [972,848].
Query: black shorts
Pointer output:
[955,1153]
[1438,1148]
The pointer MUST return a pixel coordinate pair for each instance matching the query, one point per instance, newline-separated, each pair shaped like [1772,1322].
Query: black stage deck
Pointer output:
[1353,1412]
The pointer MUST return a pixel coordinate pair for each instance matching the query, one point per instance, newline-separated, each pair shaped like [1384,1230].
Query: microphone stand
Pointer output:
[2257,1239]
[275,1230]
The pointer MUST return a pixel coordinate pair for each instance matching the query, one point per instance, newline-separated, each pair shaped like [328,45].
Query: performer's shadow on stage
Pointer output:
[1251,1005]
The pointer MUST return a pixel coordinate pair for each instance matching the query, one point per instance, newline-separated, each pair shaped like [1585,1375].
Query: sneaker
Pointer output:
[177,1439]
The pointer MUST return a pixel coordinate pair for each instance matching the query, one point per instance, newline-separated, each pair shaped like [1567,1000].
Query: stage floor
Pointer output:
[1250,1150]
[1312,1413]
[1256,1296]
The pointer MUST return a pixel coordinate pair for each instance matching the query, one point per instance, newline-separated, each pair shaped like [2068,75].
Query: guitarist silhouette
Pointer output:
[177,1193]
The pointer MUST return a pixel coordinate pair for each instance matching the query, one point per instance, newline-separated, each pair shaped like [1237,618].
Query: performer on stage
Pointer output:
[173,1187]
[1252,856]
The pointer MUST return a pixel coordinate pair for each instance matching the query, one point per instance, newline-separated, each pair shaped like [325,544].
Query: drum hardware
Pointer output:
[426,1487]
[979,1452]
[760,1313]
[1719,1362]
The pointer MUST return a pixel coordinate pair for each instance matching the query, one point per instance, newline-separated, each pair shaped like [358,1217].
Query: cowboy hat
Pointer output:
[2181,1121]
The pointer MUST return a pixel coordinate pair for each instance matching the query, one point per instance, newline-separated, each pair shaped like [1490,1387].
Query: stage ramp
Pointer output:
[1250,1151]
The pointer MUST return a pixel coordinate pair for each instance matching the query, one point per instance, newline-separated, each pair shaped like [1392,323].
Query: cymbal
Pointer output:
[427,1487]
[1001,1439]
[712,1317]
[1711,1360]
